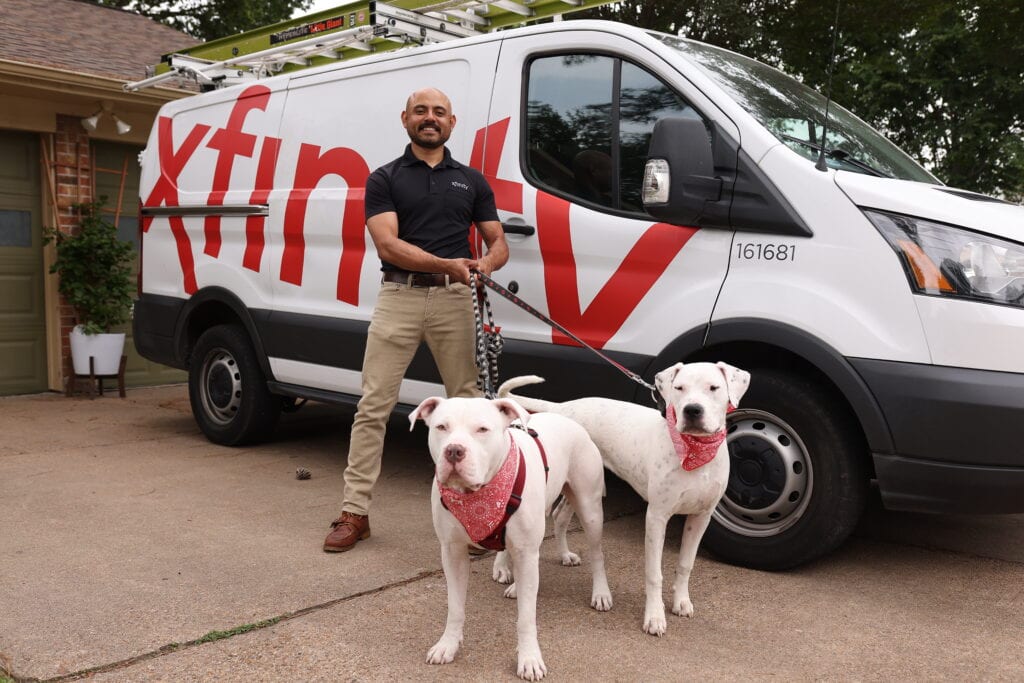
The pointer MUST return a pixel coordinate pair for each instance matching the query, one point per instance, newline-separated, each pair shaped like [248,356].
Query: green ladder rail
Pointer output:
[345,32]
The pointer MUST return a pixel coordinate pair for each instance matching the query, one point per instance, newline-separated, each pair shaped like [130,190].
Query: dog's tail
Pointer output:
[534,405]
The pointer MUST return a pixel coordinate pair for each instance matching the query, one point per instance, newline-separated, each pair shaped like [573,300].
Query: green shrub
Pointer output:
[95,270]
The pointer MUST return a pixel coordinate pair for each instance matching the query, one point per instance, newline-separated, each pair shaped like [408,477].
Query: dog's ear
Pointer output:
[663,380]
[511,410]
[736,382]
[423,410]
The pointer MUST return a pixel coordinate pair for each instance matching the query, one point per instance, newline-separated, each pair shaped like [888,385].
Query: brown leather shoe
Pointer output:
[346,531]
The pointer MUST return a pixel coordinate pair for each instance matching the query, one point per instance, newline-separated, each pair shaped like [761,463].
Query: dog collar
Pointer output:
[693,451]
[484,512]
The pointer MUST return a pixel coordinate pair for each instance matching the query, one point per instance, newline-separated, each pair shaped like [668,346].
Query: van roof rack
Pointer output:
[350,30]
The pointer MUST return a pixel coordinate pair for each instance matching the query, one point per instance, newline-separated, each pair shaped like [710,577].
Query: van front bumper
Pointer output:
[958,435]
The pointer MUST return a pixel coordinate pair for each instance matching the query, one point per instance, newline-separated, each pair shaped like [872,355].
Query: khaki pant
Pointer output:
[403,317]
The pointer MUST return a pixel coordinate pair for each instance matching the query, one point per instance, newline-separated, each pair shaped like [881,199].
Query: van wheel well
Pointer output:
[754,356]
[205,316]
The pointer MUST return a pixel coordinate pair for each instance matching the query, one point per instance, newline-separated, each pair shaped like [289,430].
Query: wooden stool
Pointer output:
[96,381]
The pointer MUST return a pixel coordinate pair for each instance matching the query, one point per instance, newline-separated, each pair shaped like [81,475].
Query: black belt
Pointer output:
[404,277]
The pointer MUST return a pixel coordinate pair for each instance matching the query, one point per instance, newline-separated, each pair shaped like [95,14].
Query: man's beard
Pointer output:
[433,143]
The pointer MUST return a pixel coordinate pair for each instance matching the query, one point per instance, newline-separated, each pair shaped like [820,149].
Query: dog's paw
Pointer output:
[570,559]
[601,601]
[683,608]
[502,570]
[443,651]
[510,592]
[654,622]
[531,667]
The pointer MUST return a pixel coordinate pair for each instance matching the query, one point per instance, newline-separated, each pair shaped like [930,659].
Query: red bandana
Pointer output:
[481,511]
[693,451]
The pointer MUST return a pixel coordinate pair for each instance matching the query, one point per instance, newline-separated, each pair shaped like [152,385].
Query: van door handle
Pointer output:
[518,229]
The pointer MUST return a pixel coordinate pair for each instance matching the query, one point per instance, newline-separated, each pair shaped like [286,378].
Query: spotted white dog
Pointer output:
[678,463]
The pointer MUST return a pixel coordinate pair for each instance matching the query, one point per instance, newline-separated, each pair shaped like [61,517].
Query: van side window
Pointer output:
[588,123]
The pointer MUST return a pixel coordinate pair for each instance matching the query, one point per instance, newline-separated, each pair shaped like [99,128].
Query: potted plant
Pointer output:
[95,276]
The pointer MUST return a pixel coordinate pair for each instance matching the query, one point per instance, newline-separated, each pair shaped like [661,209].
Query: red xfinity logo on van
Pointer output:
[615,301]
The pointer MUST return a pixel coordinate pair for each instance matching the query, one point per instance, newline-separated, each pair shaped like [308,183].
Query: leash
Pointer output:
[488,374]
[488,340]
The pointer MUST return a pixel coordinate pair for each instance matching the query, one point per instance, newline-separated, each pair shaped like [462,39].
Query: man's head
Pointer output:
[428,118]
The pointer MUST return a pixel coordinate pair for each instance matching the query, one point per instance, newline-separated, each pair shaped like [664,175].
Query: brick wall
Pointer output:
[74,185]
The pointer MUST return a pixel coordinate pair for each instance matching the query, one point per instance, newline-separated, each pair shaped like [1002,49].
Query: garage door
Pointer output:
[113,163]
[22,320]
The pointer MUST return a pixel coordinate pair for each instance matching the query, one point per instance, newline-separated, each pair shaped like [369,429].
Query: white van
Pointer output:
[880,313]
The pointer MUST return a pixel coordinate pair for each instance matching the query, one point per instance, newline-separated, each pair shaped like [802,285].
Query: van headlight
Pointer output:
[944,260]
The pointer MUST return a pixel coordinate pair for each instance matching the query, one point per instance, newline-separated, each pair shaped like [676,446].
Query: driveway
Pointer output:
[133,549]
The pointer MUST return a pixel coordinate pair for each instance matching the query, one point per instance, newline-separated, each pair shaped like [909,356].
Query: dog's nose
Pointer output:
[454,452]
[693,411]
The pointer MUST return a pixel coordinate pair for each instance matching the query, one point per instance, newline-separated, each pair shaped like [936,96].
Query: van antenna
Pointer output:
[820,163]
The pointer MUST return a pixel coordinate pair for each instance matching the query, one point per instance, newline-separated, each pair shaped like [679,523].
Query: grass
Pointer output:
[238,630]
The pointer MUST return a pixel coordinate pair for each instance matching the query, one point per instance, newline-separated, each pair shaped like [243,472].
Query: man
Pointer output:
[418,210]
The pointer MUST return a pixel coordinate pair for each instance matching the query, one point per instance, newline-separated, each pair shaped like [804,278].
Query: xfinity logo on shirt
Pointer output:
[463,186]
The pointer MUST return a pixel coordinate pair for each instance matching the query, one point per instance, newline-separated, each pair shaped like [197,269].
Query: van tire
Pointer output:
[798,482]
[228,390]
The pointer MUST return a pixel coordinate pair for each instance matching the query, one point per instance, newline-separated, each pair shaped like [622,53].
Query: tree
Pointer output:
[210,19]
[943,80]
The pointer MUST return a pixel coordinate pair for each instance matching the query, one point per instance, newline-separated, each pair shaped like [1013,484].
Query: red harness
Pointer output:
[490,535]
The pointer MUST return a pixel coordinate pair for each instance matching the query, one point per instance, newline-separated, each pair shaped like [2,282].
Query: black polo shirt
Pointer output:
[435,206]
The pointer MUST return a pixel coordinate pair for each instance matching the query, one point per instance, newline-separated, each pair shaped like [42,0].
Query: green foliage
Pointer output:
[238,630]
[943,80]
[95,270]
[210,19]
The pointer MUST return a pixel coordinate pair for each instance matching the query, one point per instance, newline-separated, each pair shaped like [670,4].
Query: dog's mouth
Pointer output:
[694,427]
[457,484]
[451,479]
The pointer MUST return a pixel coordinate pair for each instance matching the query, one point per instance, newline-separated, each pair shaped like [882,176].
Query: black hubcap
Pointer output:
[758,473]
[220,386]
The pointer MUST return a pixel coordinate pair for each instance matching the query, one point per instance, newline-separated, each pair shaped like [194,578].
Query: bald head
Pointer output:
[430,95]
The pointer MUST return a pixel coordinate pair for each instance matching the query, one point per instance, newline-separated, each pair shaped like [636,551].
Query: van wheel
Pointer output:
[227,389]
[797,479]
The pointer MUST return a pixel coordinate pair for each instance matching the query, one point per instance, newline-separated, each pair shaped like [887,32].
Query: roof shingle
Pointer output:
[76,35]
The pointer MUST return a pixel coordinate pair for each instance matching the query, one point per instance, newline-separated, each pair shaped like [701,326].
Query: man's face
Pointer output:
[428,118]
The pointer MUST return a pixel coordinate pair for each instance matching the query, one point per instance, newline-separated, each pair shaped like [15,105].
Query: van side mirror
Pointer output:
[679,177]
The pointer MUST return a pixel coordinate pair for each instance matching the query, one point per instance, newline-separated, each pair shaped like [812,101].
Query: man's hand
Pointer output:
[458,268]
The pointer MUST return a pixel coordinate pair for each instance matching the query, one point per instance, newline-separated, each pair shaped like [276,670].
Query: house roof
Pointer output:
[80,36]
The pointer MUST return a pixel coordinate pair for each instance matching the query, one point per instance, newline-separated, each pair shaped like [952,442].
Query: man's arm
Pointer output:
[383,229]
[497,247]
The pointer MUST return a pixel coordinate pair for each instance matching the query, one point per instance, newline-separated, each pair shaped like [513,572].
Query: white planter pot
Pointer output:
[105,349]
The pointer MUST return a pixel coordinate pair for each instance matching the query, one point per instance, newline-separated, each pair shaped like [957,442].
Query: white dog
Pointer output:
[679,463]
[477,457]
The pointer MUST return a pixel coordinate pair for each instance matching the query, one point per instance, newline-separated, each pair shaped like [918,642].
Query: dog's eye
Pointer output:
[483,430]
[441,427]
[714,387]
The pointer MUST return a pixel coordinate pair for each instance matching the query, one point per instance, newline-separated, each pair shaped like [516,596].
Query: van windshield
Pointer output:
[794,113]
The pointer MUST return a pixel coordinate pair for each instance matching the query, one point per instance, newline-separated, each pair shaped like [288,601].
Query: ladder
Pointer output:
[345,32]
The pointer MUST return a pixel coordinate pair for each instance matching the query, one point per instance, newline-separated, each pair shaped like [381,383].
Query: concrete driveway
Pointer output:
[133,549]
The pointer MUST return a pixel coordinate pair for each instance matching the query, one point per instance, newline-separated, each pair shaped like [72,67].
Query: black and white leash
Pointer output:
[489,342]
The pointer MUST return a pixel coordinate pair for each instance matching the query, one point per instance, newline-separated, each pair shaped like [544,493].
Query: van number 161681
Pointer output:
[765,252]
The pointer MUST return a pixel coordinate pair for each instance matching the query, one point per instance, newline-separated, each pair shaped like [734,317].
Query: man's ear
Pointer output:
[424,410]
[511,410]
[736,382]
[663,380]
